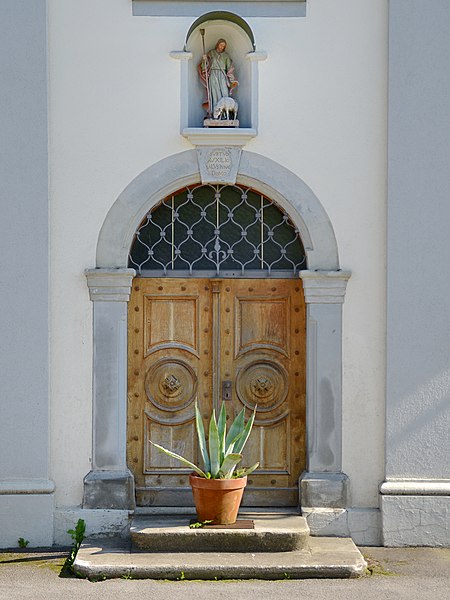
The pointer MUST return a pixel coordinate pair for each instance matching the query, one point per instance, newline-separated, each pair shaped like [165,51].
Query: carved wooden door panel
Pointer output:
[205,339]
[169,367]
[264,345]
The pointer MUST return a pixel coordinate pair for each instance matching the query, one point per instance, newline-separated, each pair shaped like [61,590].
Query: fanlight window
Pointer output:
[217,230]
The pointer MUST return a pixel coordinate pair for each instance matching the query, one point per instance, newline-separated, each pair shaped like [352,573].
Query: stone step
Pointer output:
[324,558]
[273,532]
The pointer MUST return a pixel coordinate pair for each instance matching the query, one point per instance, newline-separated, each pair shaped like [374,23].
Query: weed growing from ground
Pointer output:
[77,536]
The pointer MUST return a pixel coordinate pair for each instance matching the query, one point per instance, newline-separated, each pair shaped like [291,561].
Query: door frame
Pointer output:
[201,357]
[110,484]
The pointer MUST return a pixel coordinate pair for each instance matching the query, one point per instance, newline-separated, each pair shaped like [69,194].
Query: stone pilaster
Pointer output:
[324,484]
[109,484]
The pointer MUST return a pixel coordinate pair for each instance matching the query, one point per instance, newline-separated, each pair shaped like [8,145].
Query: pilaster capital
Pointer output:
[109,285]
[325,287]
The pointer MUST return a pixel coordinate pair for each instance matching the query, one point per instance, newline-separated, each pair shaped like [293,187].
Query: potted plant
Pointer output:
[218,489]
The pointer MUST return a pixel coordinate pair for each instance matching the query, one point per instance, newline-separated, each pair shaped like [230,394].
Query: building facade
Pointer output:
[342,146]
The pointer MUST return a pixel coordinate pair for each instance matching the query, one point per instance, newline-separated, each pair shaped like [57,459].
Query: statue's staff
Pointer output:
[205,68]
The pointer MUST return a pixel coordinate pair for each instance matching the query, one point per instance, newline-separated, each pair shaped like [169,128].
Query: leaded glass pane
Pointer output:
[226,229]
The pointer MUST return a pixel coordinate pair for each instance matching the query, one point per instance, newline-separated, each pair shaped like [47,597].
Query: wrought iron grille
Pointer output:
[214,230]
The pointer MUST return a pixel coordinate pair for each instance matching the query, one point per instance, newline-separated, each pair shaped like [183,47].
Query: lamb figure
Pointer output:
[226,105]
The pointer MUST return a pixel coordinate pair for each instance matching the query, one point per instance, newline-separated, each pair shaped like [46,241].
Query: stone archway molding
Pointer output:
[173,173]
[110,485]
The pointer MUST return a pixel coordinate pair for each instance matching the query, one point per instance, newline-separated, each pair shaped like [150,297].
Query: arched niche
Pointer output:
[221,15]
[241,47]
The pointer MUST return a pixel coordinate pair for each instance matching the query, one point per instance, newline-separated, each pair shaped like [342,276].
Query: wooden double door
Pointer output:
[241,341]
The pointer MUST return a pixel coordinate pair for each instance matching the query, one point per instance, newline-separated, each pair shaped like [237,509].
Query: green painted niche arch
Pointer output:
[222,15]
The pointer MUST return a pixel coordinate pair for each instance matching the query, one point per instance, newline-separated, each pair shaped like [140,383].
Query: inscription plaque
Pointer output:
[218,164]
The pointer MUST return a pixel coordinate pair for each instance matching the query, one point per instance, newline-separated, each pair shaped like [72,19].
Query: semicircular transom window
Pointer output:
[217,230]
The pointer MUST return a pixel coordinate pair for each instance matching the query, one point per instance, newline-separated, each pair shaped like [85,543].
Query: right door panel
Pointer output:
[262,352]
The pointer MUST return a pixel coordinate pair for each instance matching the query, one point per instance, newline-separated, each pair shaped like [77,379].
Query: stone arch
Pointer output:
[222,15]
[179,170]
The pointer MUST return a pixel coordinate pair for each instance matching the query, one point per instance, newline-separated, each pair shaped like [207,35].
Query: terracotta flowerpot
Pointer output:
[217,500]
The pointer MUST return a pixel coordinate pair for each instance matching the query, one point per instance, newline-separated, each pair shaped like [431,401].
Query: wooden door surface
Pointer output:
[204,340]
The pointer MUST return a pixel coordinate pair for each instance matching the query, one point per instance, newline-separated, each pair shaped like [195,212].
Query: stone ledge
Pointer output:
[26,486]
[199,136]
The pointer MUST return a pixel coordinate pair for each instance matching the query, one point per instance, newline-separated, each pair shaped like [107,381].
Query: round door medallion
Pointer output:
[171,384]
[264,383]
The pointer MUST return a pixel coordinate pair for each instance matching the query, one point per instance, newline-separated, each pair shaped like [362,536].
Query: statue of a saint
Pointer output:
[217,75]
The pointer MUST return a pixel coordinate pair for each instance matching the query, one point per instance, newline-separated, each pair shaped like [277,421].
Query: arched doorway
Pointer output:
[110,483]
[216,314]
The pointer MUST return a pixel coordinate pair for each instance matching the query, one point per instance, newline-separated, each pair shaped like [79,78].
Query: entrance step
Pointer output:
[272,532]
[323,558]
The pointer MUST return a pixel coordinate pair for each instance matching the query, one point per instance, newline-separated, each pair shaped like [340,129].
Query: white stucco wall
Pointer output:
[416,495]
[114,110]
[26,493]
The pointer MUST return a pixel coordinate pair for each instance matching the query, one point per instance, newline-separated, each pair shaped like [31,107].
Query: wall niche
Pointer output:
[241,48]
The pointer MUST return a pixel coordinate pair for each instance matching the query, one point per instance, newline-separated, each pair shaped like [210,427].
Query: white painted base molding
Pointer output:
[26,515]
[415,512]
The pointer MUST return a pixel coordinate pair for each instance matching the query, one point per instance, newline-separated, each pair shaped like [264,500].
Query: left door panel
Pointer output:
[169,368]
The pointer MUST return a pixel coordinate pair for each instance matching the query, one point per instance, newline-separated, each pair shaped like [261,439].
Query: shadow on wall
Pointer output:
[416,427]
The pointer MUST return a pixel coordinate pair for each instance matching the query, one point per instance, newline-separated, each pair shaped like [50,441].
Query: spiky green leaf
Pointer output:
[230,448]
[229,464]
[246,471]
[234,432]
[222,427]
[201,438]
[181,459]
[238,447]
[214,446]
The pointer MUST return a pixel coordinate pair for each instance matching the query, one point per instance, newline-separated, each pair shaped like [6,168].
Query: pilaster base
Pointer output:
[324,490]
[109,489]
[361,524]
[100,523]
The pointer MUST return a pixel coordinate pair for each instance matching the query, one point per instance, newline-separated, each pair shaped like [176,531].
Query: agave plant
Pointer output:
[224,448]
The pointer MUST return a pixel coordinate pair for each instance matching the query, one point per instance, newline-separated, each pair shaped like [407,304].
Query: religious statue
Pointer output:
[216,72]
